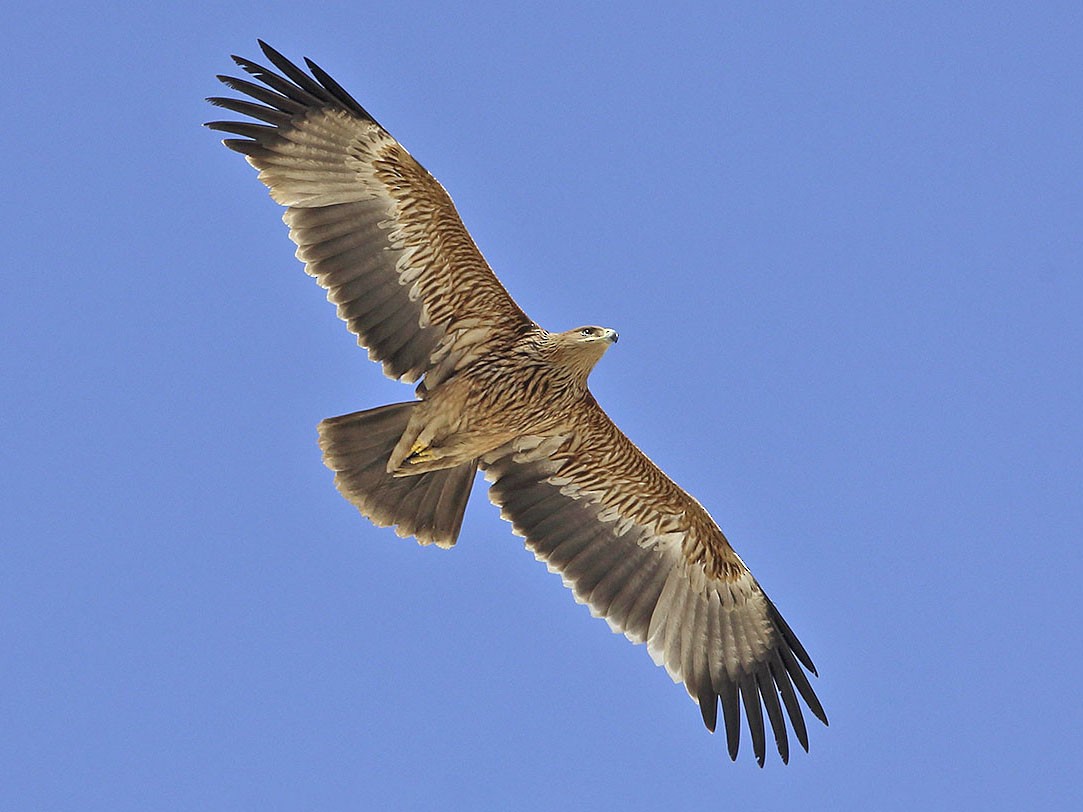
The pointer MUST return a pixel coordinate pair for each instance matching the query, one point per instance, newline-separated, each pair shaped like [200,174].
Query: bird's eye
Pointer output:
[587,331]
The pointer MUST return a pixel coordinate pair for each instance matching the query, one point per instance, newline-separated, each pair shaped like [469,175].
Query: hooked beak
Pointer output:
[612,336]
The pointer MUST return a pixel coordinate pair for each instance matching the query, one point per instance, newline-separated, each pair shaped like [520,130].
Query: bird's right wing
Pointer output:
[647,557]
[374,228]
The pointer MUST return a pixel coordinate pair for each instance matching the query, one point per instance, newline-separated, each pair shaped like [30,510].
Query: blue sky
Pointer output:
[844,250]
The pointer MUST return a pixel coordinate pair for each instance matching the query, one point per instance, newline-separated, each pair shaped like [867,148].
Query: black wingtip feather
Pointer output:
[288,102]
[294,73]
[789,700]
[801,682]
[336,90]
[242,145]
[769,694]
[754,713]
[708,708]
[257,111]
[731,715]
[257,132]
[790,637]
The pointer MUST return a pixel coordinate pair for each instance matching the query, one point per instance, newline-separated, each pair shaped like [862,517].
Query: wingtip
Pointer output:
[817,708]
[733,742]
[708,708]
[268,51]
[271,53]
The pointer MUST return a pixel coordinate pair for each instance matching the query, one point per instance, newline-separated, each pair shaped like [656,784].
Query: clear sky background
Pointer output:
[843,247]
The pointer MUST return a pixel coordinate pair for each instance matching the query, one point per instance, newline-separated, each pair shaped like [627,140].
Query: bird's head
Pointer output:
[583,347]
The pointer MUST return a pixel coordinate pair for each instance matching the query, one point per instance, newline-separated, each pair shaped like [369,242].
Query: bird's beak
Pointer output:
[612,336]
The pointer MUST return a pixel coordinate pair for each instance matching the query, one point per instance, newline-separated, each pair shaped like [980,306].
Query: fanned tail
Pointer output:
[428,506]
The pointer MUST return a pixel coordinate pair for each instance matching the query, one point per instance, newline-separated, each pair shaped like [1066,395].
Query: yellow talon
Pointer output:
[419,452]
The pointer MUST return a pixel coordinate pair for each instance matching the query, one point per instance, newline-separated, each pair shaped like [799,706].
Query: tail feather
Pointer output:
[428,506]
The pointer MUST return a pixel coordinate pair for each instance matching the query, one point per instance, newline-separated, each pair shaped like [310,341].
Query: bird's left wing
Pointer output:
[647,557]
[374,228]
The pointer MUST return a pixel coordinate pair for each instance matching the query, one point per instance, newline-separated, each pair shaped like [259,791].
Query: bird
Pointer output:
[497,392]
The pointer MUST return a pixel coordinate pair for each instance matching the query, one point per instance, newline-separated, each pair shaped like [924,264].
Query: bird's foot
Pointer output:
[419,452]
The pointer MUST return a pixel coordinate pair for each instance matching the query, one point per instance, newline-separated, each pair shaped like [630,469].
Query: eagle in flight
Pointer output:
[497,392]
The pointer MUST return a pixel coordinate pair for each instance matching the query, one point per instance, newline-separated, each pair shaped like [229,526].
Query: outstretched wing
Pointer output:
[647,557]
[374,228]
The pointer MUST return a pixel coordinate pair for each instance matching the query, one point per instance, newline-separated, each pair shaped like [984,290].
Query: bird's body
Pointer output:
[497,392]
[523,388]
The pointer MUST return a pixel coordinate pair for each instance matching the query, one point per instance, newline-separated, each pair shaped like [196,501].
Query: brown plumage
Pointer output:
[498,392]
